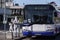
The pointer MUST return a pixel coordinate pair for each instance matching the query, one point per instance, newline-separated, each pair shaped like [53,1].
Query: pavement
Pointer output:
[8,36]
[4,35]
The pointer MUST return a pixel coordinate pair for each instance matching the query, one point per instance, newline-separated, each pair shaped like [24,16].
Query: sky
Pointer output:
[24,2]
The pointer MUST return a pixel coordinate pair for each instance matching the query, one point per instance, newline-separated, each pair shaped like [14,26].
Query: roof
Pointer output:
[16,7]
[7,11]
[36,4]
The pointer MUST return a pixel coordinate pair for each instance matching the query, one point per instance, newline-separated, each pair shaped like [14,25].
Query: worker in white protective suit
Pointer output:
[10,29]
[11,26]
[15,27]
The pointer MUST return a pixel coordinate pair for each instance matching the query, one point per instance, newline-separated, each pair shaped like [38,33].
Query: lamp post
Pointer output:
[4,19]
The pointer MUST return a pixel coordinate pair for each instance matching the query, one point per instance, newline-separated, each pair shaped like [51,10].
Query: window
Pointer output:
[6,0]
[1,18]
[55,14]
[9,0]
[9,20]
[2,1]
[2,5]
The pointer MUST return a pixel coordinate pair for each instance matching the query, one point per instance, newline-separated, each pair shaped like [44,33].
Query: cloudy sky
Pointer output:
[21,2]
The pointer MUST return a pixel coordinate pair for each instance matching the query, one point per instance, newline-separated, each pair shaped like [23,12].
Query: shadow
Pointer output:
[43,38]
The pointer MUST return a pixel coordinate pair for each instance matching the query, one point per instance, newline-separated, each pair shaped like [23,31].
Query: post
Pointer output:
[4,21]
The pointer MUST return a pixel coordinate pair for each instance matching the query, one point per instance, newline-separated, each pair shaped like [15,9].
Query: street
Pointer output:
[2,37]
[43,38]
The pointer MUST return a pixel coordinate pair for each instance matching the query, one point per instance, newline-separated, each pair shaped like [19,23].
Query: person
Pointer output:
[15,27]
[10,29]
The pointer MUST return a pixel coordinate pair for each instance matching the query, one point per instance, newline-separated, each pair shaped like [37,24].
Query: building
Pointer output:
[16,11]
[4,3]
[10,10]
[7,13]
[4,10]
